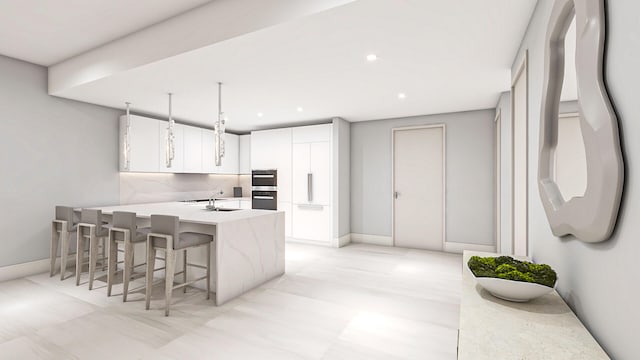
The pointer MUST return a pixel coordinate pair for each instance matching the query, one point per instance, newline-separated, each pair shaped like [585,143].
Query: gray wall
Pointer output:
[470,214]
[504,106]
[52,151]
[342,178]
[600,281]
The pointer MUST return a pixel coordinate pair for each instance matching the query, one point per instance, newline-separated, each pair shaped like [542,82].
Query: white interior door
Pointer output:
[520,162]
[418,177]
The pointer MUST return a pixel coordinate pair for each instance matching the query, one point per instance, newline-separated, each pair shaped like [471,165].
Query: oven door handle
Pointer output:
[259,197]
[264,176]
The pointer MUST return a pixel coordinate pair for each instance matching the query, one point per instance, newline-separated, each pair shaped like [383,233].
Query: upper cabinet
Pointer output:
[245,155]
[193,152]
[144,144]
[271,149]
[177,164]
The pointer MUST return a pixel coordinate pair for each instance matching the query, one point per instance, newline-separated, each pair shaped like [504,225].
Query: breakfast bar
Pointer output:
[248,245]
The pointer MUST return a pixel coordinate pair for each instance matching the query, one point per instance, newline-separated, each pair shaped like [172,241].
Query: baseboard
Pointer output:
[371,239]
[308,242]
[459,248]
[18,271]
[342,241]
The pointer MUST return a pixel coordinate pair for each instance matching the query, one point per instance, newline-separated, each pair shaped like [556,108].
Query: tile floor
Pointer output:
[357,302]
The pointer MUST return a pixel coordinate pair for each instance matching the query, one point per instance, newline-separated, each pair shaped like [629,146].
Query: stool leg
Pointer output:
[55,239]
[184,269]
[113,262]
[64,253]
[151,264]
[93,258]
[104,253]
[170,266]
[128,266]
[208,271]
[79,255]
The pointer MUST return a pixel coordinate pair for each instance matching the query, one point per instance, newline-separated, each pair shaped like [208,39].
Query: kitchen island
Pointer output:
[248,247]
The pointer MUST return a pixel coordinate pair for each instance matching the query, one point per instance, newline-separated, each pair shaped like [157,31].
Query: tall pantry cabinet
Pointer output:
[303,157]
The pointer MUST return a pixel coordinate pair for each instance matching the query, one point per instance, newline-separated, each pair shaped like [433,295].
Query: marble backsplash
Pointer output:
[137,188]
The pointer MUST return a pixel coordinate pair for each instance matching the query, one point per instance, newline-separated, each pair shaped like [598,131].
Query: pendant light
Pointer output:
[219,130]
[170,148]
[126,146]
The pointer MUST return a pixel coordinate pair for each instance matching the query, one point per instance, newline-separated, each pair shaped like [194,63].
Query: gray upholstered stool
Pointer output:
[123,230]
[61,229]
[91,228]
[165,235]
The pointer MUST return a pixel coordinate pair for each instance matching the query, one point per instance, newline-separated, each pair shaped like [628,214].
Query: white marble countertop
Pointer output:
[187,212]
[544,328]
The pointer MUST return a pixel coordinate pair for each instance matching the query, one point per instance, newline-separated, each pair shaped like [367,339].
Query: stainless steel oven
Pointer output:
[264,186]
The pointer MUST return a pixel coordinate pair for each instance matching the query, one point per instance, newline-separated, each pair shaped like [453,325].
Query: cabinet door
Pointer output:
[312,222]
[312,133]
[245,204]
[245,155]
[271,149]
[231,155]
[320,169]
[301,169]
[144,138]
[177,164]
[208,154]
[192,149]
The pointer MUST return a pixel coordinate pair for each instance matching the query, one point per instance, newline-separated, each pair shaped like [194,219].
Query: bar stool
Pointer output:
[61,229]
[123,230]
[91,228]
[164,235]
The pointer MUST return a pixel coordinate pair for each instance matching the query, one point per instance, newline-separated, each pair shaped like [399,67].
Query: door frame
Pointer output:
[498,181]
[523,69]
[444,178]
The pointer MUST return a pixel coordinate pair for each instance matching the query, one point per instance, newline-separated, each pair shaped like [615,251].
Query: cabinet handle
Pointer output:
[310,206]
[309,187]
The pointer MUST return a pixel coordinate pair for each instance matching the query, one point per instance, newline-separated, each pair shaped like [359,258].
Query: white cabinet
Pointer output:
[312,173]
[271,149]
[208,152]
[192,149]
[231,158]
[177,164]
[193,152]
[303,157]
[144,142]
[312,222]
[245,155]
[312,133]
[229,161]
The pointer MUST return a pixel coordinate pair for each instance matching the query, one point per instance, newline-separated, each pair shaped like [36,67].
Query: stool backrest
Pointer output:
[124,220]
[91,216]
[166,225]
[65,213]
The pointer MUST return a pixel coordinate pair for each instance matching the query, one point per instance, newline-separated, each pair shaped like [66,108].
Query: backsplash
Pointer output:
[136,188]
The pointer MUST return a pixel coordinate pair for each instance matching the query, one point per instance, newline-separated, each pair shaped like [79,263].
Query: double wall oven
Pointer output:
[264,189]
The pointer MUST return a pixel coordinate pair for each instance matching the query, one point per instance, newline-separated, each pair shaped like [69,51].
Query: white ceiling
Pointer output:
[445,56]
[47,32]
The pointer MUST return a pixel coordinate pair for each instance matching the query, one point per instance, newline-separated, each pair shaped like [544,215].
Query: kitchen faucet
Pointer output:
[212,199]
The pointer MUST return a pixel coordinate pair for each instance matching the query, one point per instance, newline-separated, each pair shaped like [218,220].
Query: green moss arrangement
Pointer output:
[508,268]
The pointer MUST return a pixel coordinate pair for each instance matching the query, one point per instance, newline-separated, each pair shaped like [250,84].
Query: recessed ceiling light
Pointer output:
[401,96]
[372,57]
[299,109]
[260,114]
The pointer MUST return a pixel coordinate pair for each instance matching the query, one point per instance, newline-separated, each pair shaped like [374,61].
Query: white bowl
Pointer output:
[511,290]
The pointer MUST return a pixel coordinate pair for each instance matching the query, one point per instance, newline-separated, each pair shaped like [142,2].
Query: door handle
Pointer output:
[396,194]
[309,187]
